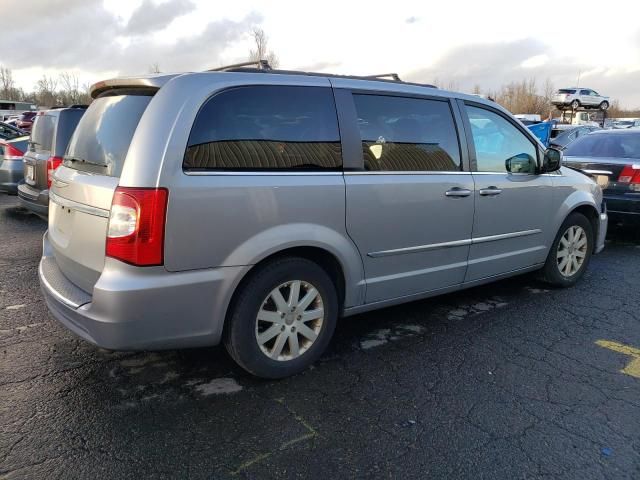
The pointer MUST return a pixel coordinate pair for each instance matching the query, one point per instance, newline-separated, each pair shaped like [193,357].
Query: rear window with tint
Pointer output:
[42,133]
[566,90]
[101,139]
[266,128]
[605,145]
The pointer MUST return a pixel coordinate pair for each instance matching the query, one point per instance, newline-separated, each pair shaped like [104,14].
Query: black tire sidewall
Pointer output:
[551,272]
[240,332]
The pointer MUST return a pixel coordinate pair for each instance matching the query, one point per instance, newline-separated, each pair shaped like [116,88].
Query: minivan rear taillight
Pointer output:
[136,225]
[12,153]
[52,164]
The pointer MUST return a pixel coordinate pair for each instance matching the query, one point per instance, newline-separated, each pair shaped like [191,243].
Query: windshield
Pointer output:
[102,137]
[605,145]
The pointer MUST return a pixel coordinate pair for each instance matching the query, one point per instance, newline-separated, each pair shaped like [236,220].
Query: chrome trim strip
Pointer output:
[54,292]
[80,207]
[243,173]
[407,172]
[598,172]
[420,248]
[455,243]
[504,236]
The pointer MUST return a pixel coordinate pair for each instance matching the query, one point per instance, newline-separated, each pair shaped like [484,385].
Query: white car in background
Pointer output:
[575,98]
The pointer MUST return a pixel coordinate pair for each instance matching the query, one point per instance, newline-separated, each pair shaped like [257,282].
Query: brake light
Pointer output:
[630,174]
[12,153]
[52,164]
[136,225]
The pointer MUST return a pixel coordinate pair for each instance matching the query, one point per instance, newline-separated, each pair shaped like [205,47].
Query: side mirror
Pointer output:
[552,160]
[520,163]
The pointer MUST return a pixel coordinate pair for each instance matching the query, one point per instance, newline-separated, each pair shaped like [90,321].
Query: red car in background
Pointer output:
[25,121]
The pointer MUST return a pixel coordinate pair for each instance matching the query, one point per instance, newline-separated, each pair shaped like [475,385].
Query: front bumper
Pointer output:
[140,308]
[602,229]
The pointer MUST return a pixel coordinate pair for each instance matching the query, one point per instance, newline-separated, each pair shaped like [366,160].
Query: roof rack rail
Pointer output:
[393,76]
[262,66]
[259,64]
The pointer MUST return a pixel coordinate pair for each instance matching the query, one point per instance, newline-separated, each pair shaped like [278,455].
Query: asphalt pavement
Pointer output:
[512,380]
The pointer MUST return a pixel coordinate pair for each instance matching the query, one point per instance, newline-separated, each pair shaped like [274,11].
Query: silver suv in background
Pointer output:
[579,97]
[50,135]
[256,208]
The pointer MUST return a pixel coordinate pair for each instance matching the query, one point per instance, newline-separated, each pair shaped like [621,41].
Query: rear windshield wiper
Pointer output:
[82,160]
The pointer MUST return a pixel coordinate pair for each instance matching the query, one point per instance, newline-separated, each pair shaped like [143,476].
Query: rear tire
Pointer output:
[271,331]
[575,105]
[570,252]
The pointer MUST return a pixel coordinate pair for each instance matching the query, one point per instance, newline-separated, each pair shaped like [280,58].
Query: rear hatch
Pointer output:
[39,151]
[83,187]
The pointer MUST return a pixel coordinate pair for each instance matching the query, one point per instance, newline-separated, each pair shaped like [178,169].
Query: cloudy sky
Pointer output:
[462,43]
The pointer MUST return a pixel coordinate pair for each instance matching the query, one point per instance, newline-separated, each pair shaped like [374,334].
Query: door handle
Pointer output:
[490,192]
[458,192]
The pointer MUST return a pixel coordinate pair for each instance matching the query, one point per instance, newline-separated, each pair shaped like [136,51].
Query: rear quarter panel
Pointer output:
[223,219]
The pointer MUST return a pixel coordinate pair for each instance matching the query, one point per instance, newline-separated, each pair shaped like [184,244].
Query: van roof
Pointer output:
[156,81]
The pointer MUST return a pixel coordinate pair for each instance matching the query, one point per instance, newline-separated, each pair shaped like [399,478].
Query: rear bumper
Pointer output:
[11,173]
[33,199]
[134,308]
[623,208]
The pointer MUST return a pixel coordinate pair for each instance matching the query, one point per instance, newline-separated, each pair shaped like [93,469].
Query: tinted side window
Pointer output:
[496,140]
[266,128]
[407,134]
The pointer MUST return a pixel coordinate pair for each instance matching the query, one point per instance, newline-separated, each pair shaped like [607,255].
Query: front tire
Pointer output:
[570,252]
[604,106]
[282,318]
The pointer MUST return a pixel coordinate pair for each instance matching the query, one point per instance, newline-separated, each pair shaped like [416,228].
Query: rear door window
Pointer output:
[268,127]
[42,133]
[407,134]
[101,140]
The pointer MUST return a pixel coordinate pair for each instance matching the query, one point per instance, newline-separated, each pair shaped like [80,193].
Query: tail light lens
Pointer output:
[630,174]
[12,153]
[52,164]
[136,225]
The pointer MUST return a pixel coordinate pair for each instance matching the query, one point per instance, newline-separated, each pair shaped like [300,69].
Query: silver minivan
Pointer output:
[257,207]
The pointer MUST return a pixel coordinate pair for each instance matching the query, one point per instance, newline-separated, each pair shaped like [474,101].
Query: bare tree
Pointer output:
[154,68]
[262,51]
[46,91]
[69,92]
[8,90]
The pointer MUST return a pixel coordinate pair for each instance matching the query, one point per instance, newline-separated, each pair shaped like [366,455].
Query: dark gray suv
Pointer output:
[255,208]
[50,135]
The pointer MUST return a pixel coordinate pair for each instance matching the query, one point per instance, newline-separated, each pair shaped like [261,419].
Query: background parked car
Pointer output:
[25,121]
[9,132]
[11,167]
[614,154]
[580,97]
[622,124]
[563,135]
[49,139]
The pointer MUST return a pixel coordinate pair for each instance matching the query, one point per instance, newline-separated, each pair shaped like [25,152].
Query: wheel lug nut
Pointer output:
[282,329]
[293,329]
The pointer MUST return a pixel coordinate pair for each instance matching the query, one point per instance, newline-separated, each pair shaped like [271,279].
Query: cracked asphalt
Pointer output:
[503,381]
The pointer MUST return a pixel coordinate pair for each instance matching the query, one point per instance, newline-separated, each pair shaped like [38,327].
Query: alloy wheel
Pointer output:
[289,320]
[572,250]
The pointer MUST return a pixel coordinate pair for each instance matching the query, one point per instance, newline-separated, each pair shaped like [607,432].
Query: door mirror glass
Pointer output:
[552,160]
[520,163]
